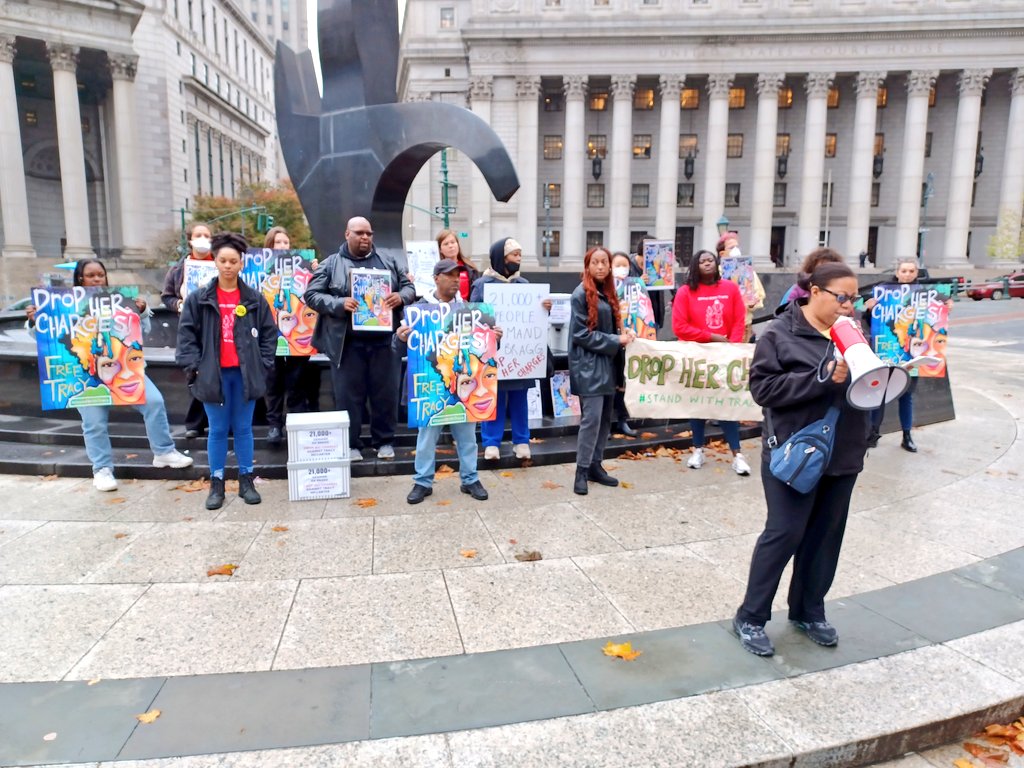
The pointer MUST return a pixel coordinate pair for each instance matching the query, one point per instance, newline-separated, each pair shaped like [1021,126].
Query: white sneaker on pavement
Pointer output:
[491,453]
[386,451]
[740,465]
[103,479]
[696,460]
[354,454]
[521,450]
[174,460]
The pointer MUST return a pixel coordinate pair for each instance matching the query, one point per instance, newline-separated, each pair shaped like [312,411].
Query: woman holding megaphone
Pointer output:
[796,379]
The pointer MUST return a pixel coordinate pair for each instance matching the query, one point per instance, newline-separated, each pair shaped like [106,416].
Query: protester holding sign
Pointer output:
[795,377]
[450,248]
[227,342]
[710,309]
[109,361]
[740,270]
[636,312]
[596,336]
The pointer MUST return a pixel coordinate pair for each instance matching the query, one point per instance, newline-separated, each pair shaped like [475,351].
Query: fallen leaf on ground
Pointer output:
[506,474]
[526,463]
[550,485]
[686,433]
[47,453]
[648,435]
[536,439]
[444,451]
[529,557]
[611,467]
[623,651]
[131,455]
[49,477]
[443,471]
[280,528]
[365,503]
[444,502]
[231,486]
[148,718]
[987,755]
[222,570]
[188,519]
[192,486]
[468,553]
[513,541]
[50,736]
[626,485]
[94,681]
[117,500]
[961,762]
[120,535]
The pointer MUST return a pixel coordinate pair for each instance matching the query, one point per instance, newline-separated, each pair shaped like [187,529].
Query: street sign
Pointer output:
[463,234]
[440,210]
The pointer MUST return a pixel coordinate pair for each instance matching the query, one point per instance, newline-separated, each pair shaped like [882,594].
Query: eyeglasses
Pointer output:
[842,298]
[362,233]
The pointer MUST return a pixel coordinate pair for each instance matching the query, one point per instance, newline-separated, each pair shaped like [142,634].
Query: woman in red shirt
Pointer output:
[709,309]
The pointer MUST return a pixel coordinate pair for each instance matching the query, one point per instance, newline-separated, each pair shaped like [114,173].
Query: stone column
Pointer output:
[574,155]
[64,61]
[668,157]
[13,196]
[714,159]
[1011,191]
[481,90]
[622,155]
[961,173]
[528,96]
[763,196]
[122,72]
[915,128]
[858,216]
[816,86]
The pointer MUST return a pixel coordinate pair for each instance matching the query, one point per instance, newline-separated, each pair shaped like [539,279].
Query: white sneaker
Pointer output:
[740,465]
[103,479]
[386,451]
[696,460]
[174,460]
[354,454]
[521,450]
[491,453]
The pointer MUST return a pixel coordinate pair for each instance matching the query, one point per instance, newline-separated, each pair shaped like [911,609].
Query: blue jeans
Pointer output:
[97,438]
[519,412]
[234,414]
[731,429]
[465,447]
[906,409]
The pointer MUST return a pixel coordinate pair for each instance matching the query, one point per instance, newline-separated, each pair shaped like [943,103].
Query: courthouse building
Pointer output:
[890,126]
[115,113]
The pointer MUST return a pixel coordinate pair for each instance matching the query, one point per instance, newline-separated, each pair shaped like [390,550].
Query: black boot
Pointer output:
[873,437]
[247,490]
[580,485]
[908,442]
[623,428]
[598,475]
[215,499]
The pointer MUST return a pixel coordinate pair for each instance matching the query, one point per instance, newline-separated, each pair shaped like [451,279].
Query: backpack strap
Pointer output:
[831,417]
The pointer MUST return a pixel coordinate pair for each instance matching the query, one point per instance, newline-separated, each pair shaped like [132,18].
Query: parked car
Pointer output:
[997,289]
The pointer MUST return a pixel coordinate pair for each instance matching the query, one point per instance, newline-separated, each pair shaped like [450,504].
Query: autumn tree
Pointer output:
[277,200]
[1007,243]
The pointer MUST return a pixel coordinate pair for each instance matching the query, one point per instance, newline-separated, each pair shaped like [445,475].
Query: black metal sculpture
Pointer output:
[355,152]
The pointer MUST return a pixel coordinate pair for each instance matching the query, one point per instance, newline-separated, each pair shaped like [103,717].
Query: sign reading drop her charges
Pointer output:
[686,380]
[524,325]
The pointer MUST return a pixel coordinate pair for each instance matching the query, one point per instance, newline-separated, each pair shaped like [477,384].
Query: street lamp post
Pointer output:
[547,229]
[444,186]
[722,224]
[929,190]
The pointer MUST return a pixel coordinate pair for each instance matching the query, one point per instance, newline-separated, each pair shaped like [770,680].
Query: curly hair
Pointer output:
[228,240]
[452,354]
[591,289]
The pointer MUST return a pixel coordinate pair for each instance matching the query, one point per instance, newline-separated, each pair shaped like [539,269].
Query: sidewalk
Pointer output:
[316,637]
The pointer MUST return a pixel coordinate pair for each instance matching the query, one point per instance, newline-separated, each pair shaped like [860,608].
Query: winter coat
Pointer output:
[199,337]
[784,379]
[592,353]
[332,284]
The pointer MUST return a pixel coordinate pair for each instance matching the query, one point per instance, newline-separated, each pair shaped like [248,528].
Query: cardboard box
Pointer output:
[319,480]
[317,437]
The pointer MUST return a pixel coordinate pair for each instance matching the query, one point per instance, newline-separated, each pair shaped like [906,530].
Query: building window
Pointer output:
[555,248]
[737,98]
[554,195]
[209,156]
[974,193]
[876,193]
[284,25]
[687,145]
[826,194]
[595,195]
[553,3]
[554,102]
[192,58]
[732,195]
[781,144]
[785,97]
[928,144]
[199,165]
[641,146]
[637,237]
[552,147]
[734,145]
[643,99]
[595,238]
[833,97]
[206,74]
[931,97]
[600,4]
[597,145]
[448,17]
[830,145]
[685,194]
[779,196]
[220,158]
[924,192]
[882,99]
[86,125]
[689,98]
[31,117]
[879,144]
[598,101]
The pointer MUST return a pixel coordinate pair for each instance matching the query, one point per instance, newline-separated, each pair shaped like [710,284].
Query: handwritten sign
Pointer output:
[422,255]
[523,353]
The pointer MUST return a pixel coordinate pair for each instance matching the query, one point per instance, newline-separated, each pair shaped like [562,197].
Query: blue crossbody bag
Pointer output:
[801,460]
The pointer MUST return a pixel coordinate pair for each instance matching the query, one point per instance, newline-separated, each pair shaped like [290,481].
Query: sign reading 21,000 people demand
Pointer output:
[912,320]
[89,343]
[453,365]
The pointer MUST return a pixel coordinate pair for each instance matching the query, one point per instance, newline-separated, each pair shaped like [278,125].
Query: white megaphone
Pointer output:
[872,382]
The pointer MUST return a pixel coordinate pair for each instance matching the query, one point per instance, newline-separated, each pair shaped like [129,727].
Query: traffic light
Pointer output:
[264,222]
[270,223]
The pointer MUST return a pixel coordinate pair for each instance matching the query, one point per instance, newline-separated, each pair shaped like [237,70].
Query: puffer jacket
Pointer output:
[784,380]
[592,353]
[199,339]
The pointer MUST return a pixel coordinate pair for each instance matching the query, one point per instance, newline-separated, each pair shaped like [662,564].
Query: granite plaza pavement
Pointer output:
[359,634]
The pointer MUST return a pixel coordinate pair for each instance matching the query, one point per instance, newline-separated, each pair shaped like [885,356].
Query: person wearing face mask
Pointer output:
[198,234]
[506,256]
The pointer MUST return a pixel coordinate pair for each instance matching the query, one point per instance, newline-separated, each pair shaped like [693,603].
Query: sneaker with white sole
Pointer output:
[174,460]
[491,453]
[753,638]
[103,479]
[696,460]
[354,454]
[386,451]
[521,450]
[740,465]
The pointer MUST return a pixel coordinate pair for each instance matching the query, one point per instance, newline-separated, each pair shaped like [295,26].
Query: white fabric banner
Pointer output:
[683,379]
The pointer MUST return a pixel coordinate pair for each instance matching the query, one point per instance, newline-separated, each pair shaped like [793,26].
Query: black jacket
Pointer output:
[332,284]
[784,379]
[592,353]
[198,349]
[171,294]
